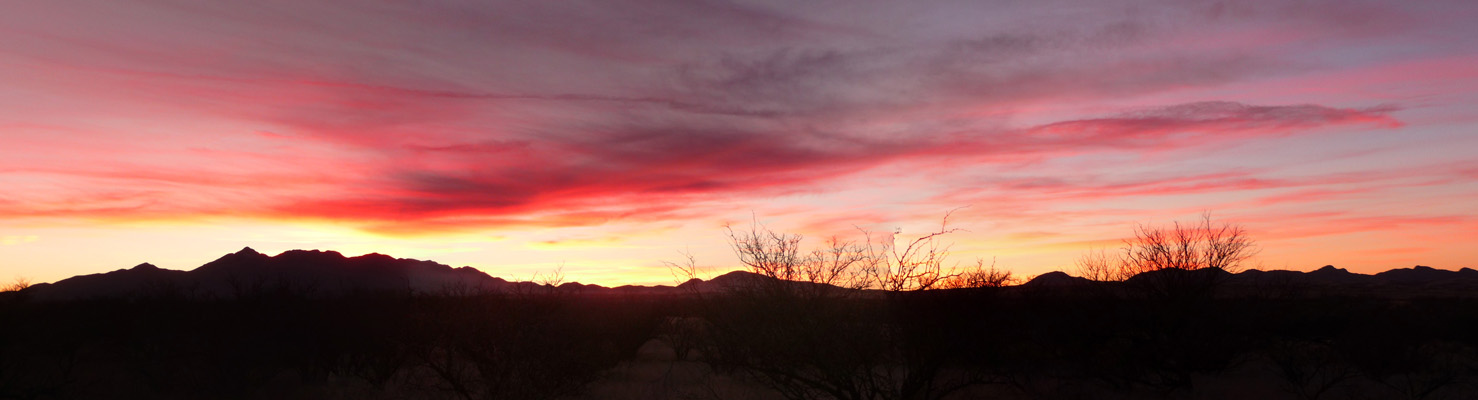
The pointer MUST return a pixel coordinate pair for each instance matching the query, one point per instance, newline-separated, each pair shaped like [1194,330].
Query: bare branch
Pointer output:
[20,283]
[684,270]
[1182,246]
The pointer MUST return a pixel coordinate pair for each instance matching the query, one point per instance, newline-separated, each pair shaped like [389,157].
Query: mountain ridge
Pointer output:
[329,273]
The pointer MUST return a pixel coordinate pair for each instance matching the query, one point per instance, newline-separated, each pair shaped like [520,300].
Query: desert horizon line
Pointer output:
[713,272]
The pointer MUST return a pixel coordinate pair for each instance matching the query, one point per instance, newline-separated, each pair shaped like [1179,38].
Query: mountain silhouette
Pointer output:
[730,280]
[329,273]
[1056,279]
[1422,274]
[1177,274]
[310,272]
[313,270]
[1331,275]
[112,284]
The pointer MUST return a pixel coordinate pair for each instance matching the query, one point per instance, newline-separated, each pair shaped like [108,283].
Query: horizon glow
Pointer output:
[607,137]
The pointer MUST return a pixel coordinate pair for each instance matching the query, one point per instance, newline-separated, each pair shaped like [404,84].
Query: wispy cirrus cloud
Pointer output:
[493,182]
[654,165]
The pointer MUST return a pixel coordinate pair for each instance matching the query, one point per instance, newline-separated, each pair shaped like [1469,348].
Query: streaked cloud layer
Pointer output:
[617,132]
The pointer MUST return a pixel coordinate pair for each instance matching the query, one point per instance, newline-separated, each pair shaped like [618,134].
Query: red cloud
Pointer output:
[444,181]
[637,172]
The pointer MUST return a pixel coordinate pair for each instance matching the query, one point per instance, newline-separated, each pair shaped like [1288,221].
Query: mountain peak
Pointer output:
[1056,278]
[1330,269]
[247,254]
[374,256]
[145,267]
[300,253]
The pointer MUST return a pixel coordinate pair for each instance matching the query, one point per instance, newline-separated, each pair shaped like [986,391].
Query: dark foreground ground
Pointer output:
[761,342]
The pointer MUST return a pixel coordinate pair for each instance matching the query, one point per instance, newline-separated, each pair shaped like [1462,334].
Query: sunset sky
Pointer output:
[608,136]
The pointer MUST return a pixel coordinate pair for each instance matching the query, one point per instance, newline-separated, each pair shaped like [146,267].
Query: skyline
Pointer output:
[607,137]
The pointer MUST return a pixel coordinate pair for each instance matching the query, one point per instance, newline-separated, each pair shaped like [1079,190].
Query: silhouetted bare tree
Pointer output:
[919,264]
[1170,276]
[778,256]
[809,328]
[979,276]
[1180,260]
[20,283]
[882,263]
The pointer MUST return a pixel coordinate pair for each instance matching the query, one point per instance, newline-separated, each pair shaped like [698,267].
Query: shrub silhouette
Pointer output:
[807,327]
[1179,263]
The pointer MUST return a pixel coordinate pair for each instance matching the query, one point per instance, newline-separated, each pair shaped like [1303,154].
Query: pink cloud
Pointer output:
[675,165]
[434,181]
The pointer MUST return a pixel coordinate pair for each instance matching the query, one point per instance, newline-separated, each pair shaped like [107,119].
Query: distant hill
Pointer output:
[328,273]
[1056,279]
[307,272]
[1417,281]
